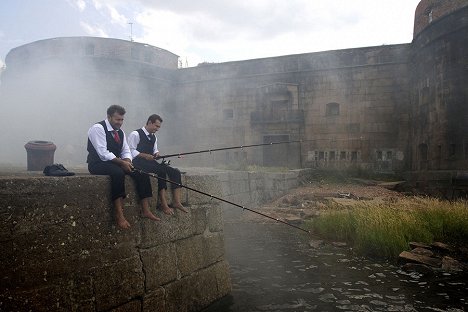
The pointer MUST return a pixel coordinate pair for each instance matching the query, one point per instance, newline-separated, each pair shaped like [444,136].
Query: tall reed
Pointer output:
[384,230]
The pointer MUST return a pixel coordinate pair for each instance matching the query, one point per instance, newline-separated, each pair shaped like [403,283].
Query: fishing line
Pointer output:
[220,199]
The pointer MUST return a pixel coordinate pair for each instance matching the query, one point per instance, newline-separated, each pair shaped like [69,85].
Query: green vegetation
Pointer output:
[385,230]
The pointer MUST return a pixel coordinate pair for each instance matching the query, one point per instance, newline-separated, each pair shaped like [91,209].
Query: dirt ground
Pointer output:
[306,201]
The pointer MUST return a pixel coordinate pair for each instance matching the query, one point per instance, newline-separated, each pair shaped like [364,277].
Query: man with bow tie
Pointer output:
[144,148]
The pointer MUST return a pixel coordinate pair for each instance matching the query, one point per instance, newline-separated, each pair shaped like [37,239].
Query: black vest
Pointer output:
[146,145]
[112,146]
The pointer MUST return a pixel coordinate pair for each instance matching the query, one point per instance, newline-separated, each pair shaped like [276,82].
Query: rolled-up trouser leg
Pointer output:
[153,167]
[143,184]
[174,175]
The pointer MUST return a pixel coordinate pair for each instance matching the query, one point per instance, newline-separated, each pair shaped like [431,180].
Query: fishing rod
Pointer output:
[218,198]
[225,148]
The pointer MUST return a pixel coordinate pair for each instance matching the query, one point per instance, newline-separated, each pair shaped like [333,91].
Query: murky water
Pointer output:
[274,269]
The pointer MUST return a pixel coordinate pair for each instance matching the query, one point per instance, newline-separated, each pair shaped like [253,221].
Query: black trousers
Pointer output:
[117,175]
[161,170]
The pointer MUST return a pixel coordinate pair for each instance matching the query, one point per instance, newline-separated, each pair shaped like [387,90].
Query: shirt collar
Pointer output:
[108,125]
[146,131]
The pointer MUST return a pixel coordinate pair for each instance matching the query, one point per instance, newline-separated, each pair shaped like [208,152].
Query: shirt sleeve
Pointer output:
[125,149]
[133,140]
[97,136]
[155,147]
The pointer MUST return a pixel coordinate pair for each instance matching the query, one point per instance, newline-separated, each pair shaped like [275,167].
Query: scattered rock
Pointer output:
[420,245]
[430,261]
[422,251]
[316,243]
[437,255]
[451,265]
[442,247]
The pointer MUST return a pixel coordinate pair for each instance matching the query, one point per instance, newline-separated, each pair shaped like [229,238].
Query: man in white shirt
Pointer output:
[144,148]
[109,154]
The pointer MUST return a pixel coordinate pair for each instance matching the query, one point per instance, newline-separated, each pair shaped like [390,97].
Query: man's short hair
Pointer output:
[115,109]
[153,118]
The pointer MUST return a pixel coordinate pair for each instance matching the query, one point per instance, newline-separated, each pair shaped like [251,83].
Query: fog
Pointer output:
[53,90]
[58,99]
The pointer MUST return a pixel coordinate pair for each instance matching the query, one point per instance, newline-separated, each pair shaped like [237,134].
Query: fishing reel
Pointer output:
[164,162]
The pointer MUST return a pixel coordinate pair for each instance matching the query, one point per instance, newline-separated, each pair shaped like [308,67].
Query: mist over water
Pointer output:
[274,269]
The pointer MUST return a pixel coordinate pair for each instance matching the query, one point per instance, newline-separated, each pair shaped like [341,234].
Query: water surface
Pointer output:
[273,268]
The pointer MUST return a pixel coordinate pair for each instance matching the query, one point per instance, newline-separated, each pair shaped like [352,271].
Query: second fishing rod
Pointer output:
[227,148]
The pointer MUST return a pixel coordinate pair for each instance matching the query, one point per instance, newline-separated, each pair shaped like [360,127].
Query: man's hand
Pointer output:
[145,156]
[156,155]
[126,165]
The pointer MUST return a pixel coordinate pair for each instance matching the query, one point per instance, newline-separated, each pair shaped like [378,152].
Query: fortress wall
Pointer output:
[62,252]
[369,84]
[389,101]
[439,68]
[35,52]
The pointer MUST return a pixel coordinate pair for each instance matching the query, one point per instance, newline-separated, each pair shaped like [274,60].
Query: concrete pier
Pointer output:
[62,252]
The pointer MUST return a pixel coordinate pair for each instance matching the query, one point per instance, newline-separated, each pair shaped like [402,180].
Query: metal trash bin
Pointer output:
[40,154]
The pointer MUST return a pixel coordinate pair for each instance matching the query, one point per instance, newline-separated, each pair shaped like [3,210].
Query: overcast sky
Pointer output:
[213,30]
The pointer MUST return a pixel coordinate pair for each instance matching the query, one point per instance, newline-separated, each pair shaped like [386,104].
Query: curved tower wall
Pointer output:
[429,11]
[439,117]
[116,49]
[55,89]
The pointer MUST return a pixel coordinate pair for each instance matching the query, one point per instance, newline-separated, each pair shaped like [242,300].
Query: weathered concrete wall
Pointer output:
[62,252]
[289,97]
[250,189]
[439,79]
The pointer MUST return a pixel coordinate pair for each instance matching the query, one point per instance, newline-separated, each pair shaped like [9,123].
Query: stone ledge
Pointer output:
[62,251]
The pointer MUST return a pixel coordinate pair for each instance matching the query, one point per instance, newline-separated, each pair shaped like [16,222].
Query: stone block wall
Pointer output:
[369,87]
[62,252]
[251,189]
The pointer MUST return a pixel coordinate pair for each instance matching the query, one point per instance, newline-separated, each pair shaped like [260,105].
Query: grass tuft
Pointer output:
[384,230]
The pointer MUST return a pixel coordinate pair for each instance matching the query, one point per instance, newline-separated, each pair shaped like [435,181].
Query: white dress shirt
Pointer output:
[97,136]
[134,140]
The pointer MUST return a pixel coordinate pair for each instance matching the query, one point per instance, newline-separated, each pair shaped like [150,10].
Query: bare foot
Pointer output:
[122,222]
[148,214]
[167,210]
[180,207]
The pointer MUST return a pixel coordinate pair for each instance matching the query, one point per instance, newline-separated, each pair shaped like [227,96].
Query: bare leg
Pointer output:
[119,216]
[176,200]
[146,210]
[163,203]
